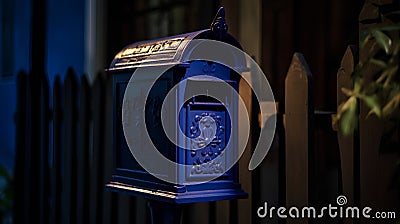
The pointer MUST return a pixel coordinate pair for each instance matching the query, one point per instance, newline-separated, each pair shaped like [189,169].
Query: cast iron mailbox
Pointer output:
[205,122]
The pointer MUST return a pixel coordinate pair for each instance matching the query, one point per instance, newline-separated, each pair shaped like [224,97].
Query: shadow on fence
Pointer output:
[64,142]
[64,157]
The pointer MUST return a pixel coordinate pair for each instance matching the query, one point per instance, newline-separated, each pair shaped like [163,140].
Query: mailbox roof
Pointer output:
[163,51]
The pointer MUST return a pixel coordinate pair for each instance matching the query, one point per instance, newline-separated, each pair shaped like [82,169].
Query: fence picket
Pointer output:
[124,209]
[298,110]
[69,157]
[110,199]
[348,152]
[64,182]
[35,148]
[21,208]
[97,151]
[82,199]
[139,210]
[44,150]
[56,164]
[222,212]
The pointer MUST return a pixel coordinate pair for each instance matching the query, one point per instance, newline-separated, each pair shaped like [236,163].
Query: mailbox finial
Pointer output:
[219,26]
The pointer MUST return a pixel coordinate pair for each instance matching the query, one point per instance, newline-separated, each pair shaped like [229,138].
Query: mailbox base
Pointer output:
[179,197]
[165,213]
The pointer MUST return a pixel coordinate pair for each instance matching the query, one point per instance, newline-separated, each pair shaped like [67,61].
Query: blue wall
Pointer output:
[21,13]
[65,36]
[65,47]
[7,129]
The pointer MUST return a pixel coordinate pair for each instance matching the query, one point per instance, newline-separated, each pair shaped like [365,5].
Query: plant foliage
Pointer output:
[376,78]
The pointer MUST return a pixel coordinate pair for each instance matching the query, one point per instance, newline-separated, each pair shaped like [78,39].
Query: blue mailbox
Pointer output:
[203,96]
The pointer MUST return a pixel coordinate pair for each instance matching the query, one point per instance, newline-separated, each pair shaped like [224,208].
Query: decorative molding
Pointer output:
[212,167]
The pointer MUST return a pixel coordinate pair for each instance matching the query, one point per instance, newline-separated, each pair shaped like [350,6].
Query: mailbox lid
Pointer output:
[163,51]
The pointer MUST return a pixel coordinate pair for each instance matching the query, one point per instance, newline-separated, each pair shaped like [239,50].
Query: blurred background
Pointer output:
[60,42]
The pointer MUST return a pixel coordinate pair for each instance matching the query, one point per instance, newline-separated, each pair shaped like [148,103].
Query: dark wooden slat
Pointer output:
[44,150]
[56,175]
[141,211]
[165,213]
[196,213]
[82,162]
[20,185]
[132,208]
[270,185]
[109,198]
[347,143]
[34,148]
[124,209]
[222,212]
[212,212]
[96,157]
[233,212]
[298,112]
[69,148]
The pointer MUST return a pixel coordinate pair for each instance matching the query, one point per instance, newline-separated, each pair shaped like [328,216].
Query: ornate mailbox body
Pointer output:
[204,120]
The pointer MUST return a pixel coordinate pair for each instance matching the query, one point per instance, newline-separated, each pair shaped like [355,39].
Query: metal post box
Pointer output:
[203,126]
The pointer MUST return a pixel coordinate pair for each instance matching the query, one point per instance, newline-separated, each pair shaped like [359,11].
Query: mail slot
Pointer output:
[195,101]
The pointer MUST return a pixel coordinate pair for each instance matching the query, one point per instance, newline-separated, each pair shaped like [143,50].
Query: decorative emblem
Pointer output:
[208,129]
[207,144]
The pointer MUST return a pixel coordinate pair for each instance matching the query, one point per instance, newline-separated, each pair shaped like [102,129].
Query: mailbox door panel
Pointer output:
[125,164]
[206,121]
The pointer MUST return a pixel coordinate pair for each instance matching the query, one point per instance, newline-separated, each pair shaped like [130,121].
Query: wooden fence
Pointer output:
[62,150]
[64,156]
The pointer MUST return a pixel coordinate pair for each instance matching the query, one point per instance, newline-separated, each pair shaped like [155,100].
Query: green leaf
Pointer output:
[396,48]
[372,101]
[378,62]
[357,84]
[390,74]
[347,92]
[391,106]
[365,36]
[382,39]
[382,76]
[346,105]
[348,120]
